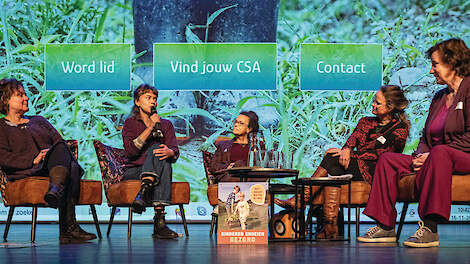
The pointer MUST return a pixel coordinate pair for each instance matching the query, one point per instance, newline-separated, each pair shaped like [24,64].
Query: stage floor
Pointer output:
[200,248]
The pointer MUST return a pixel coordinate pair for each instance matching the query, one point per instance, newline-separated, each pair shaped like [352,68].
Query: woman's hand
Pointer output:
[344,155]
[419,161]
[163,152]
[155,118]
[40,157]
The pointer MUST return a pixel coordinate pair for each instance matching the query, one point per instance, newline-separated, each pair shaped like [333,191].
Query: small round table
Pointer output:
[246,173]
[323,182]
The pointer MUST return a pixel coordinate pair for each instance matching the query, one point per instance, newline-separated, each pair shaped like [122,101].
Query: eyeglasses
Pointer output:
[236,122]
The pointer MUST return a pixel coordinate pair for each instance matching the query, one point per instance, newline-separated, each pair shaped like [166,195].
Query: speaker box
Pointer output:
[284,224]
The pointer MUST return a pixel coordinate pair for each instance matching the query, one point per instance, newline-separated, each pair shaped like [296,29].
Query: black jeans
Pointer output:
[160,169]
[333,167]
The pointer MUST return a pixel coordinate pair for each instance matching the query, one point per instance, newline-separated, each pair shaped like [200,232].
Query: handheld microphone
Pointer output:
[157,132]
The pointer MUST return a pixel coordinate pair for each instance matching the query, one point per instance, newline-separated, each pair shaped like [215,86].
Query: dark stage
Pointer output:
[200,248]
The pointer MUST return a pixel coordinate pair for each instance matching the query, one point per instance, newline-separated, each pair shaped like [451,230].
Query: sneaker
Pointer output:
[423,238]
[378,235]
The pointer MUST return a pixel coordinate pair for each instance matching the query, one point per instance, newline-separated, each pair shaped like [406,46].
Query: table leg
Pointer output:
[349,211]
[271,224]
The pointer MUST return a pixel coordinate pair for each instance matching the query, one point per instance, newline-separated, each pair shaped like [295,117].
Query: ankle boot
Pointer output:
[144,197]
[57,177]
[160,229]
[331,199]
[71,232]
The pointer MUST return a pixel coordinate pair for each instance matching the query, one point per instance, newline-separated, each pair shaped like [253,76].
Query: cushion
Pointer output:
[31,191]
[111,161]
[124,192]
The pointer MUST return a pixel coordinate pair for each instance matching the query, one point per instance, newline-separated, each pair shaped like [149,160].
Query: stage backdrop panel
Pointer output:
[90,67]
[215,66]
[340,66]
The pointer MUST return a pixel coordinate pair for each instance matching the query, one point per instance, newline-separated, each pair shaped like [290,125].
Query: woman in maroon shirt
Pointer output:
[234,152]
[444,148]
[151,147]
[372,137]
[31,146]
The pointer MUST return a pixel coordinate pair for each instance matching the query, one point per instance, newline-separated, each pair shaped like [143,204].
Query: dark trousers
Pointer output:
[160,169]
[333,167]
[433,183]
[60,155]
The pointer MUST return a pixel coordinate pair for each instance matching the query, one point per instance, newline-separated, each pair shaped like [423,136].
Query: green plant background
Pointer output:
[309,122]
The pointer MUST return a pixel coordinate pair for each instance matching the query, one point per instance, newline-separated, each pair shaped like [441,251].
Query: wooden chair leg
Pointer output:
[212,224]
[129,224]
[33,223]
[111,219]
[95,219]
[7,226]
[183,216]
[402,219]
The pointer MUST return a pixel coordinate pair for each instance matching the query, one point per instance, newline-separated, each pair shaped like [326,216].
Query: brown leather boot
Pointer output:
[331,199]
[70,231]
[290,203]
[57,178]
[320,172]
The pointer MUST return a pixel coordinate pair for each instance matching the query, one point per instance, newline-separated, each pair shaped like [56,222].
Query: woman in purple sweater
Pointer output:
[31,146]
[444,149]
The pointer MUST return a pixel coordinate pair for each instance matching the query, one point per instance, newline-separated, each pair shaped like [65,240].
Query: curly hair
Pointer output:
[8,87]
[455,53]
[139,91]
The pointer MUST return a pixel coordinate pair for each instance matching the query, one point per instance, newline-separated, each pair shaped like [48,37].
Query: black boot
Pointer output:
[144,197]
[160,229]
[57,177]
[72,232]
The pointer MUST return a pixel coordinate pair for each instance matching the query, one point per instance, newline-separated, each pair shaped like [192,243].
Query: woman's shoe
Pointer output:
[160,229]
[57,178]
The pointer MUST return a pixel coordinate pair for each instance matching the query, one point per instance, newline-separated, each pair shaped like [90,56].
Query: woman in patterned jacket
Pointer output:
[385,132]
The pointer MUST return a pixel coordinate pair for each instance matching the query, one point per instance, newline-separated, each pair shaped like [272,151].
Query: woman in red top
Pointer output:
[372,137]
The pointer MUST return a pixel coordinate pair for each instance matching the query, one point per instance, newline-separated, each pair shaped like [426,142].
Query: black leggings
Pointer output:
[333,167]
[58,155]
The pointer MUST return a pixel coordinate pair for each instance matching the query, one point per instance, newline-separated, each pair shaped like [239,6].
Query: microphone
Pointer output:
[157,132]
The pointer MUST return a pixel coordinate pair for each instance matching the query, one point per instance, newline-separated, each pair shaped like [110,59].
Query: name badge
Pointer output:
[459,106]
[381,139]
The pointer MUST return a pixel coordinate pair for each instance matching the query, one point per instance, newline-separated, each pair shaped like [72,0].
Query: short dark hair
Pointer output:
[455,53]
[253,124]
[139,91]
[8,87]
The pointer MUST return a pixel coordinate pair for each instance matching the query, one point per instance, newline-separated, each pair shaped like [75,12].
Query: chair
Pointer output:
[30,191]
[122,193]
[360,195]
[212,188]
[460,194]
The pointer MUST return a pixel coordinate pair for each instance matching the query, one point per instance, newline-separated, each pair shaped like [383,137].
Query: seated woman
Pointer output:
[151,146]
[444,148]
[372,137]
[234,153]
[31,146]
